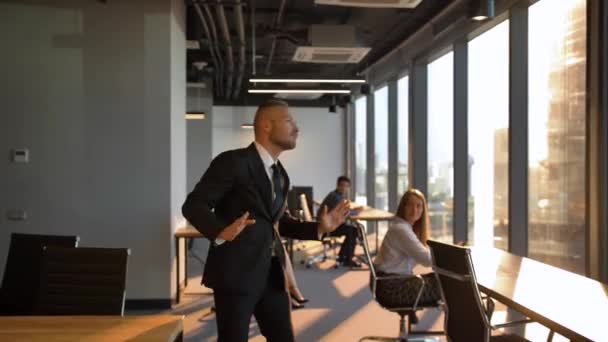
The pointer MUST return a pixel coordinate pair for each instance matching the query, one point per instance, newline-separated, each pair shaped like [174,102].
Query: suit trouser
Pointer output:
[347,250]
[271,309]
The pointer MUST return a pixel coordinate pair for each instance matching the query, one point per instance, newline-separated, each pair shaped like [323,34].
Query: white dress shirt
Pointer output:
[268,163]
[401,250]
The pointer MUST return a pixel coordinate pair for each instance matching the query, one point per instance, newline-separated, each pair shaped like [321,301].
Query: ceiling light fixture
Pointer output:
[247,126]
[296,80]
[195,116]
[482,10]
[298,91]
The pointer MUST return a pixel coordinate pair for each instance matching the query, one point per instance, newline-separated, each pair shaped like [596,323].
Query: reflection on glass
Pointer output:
[488,137]
[360,150]
[402,134]
[556,103]
[441,146]
[381,147]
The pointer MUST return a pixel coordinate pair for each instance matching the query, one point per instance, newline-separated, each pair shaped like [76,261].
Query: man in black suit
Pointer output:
[239,205]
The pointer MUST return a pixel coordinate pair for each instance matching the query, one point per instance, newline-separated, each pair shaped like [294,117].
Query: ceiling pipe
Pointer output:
[240,25]
[277,25]
[213,56]
[252,19]
[454,5]
[221,17]
[215,46]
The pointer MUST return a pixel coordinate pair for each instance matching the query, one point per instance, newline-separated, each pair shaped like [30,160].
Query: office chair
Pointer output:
[83,281]
[389,303]
[468,315]
[328,243]
[22,272]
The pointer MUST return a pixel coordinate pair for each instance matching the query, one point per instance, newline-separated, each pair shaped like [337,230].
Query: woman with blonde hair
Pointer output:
[404,247]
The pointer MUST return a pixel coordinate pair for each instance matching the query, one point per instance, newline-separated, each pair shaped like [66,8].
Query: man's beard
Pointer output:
[283,144]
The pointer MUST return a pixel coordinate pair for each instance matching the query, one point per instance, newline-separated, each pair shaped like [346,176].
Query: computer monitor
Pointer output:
[293,198]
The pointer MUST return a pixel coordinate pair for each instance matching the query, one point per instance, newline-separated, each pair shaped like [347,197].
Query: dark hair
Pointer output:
[343,179]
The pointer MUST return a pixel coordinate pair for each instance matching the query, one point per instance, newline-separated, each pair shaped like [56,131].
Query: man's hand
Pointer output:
[233,230]
[329,221]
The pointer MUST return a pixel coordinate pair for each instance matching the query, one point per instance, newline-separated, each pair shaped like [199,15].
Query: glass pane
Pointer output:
[381,147]
[556,125]
[441,146]
[488,137]
[360,150]
[403,111]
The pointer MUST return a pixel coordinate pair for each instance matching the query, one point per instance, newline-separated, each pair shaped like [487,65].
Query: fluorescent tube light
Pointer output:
[247,126]
[298,91]
[195,116]
[295,80]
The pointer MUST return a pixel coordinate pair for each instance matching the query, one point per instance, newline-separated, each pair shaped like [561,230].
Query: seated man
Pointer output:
[347,250]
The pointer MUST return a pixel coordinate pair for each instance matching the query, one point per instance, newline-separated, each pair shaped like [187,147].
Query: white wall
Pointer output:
[317,160]
[97,93]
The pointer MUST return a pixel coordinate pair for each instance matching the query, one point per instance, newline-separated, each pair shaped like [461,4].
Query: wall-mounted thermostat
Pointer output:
[20,155]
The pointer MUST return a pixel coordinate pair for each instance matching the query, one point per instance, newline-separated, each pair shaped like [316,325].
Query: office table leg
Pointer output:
[186,264]
[177,287]
[377,239]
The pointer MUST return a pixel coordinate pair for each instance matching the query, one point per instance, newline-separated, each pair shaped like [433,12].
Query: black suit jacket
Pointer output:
[234,183]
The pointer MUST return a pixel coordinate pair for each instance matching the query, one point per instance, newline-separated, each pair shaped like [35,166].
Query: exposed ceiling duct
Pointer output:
[216,58]
[273,45]
[371,3]
[216,47]
[240,26]
[221,17]
[293,40]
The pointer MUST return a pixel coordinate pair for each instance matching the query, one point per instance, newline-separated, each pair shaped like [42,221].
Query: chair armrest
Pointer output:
[396,276]
[512,323]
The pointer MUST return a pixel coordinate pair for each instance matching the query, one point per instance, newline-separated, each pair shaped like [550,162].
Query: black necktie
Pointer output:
[278,193]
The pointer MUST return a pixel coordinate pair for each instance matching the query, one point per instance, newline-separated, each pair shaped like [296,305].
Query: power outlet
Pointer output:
[16,215]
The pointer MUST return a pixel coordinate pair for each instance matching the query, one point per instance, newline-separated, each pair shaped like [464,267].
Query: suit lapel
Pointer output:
[257,169]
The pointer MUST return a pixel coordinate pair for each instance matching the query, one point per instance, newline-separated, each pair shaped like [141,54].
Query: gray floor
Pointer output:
[341,307]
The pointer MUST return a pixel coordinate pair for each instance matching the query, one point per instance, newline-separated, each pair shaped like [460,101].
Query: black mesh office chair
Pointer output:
[83,281]
[388,302]
[468,315]
[22,272]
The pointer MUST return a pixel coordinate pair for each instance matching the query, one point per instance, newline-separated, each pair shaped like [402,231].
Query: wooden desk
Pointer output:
[183,233]
[569,304]
[374,216]
[91,328]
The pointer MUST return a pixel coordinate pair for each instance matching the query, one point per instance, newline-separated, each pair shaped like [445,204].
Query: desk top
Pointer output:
[372,214]
[90,328]
[187,232]
[572,305]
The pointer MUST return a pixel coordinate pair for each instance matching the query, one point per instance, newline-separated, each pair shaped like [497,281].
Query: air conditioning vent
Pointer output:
[312,54]
[371,3]
[298,96]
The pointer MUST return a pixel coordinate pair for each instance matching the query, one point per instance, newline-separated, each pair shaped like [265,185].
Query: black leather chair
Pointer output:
[468,314]
[22,272]
[405,325]
[83,281]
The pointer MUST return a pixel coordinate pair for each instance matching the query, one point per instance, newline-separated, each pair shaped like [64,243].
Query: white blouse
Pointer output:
[401,250]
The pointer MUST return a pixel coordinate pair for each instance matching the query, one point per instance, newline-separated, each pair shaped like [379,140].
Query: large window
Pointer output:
[441,146]
[381,147]
[402,135]
[360,150]
[556,132]
[488,137]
